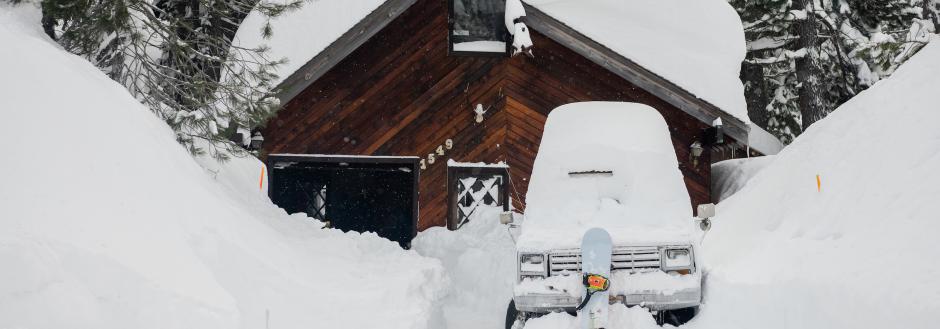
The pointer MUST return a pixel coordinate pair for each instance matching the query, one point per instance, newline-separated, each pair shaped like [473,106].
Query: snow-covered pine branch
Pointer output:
[172,56]
[839,47]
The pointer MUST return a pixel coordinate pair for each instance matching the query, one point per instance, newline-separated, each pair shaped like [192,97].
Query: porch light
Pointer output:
[256,141]
[696,152]
[719,131]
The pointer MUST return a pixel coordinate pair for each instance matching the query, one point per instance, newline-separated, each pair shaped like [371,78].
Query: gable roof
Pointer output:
[685,52]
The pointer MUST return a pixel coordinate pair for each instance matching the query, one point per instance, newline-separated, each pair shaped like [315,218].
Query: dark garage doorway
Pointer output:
[353,193]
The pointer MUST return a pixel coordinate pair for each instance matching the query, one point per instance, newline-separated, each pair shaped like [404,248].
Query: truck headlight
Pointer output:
[532,265]
[677,259]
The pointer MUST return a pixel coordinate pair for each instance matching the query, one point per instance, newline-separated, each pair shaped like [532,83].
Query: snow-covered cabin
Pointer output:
[427,81]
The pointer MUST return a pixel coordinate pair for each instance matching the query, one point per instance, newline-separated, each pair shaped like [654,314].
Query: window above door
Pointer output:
[477,28]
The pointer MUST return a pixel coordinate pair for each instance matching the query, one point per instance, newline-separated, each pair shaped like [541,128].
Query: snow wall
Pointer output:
[106,222]
[858,250]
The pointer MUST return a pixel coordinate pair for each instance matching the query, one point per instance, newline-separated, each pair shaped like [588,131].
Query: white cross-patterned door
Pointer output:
[472,187]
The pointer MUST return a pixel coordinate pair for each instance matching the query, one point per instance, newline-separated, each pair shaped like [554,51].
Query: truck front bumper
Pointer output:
[544,302]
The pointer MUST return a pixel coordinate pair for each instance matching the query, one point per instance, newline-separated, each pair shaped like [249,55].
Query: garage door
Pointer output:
[351,193]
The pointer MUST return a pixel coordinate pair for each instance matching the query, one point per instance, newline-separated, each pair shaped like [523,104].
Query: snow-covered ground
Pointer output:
[480,262]
[106,222]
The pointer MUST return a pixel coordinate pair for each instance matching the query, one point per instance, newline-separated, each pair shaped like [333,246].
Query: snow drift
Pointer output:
[856,252]
[106,222]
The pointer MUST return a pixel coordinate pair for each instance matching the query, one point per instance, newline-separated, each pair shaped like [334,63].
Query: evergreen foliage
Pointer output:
[176,57]
[806,57]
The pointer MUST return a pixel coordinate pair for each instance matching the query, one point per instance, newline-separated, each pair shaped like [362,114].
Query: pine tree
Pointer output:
[176,57]
[932,13]
[806,57]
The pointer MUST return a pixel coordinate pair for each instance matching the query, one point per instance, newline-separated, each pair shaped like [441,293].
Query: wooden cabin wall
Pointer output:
[401,94]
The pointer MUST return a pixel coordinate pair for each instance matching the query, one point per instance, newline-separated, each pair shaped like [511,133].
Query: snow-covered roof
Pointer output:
[452,163]
[300,35]
[763,141]
[697,45]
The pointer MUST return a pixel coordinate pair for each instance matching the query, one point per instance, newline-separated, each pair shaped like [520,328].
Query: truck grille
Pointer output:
[633,259]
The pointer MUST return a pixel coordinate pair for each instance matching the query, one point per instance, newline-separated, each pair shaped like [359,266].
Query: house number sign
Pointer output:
[439,152]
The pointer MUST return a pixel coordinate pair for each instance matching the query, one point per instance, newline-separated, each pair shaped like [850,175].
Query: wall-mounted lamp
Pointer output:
[696,152]
[256,141]
[719,131]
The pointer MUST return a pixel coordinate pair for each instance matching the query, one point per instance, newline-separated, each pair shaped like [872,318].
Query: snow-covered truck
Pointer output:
[613,166]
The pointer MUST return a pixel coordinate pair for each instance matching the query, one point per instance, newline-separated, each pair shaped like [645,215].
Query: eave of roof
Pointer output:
[317,66]
[541,22]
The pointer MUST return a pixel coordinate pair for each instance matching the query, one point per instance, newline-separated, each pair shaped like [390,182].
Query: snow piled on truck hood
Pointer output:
[697,44]
[860,252]
[106,222]
[642,198]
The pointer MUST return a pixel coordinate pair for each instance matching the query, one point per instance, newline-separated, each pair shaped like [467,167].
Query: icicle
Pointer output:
[521,41]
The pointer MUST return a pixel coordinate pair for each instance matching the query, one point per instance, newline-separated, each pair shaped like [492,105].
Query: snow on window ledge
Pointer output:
[481,46]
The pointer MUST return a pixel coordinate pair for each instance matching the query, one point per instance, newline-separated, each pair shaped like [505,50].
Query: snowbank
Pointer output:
[610,165]
[480,262]
[106,222]
[698,45]
[858,252]
[301,35]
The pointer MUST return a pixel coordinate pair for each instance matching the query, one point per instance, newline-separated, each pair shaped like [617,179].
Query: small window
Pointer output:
[477,28]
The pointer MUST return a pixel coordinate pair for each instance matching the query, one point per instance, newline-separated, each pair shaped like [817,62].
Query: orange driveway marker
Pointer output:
[261,179]
[818,184]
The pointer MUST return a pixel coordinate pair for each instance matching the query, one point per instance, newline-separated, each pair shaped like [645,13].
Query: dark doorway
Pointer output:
[351,193]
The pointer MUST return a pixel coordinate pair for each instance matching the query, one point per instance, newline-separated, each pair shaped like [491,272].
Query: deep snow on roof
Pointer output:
[698,45]
[301,35]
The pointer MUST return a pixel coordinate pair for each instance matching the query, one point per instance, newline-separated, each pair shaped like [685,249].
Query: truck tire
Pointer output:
[513,316]
[677,317]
